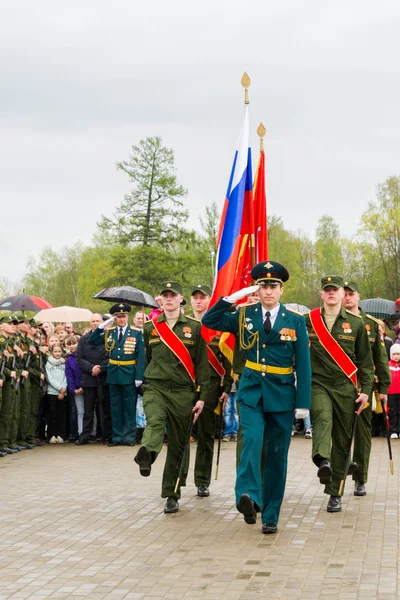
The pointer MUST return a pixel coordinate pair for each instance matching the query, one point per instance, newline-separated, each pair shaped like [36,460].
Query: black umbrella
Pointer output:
[127,294]
[380,308]
[24,302]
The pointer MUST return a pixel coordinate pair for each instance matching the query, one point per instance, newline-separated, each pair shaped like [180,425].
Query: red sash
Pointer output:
[176,345]
[332,347]
[214,362]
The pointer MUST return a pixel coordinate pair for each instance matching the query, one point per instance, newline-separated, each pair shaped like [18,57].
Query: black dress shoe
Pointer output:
[27,446]
[112,444]
[268,528]
[18,447]
[80,442]
[334,504]
[203,491]
[39,443]
[247,508]
[353,466]
[2,454]
[171,505]
[359,489]
[130,443]
[325,472]
[143,459]
[10,450]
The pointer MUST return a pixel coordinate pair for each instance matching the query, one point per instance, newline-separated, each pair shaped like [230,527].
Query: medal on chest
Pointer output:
[288,335]
[346,327]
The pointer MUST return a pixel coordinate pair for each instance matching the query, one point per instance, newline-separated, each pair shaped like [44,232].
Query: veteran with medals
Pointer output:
[124,346]
[342,377]
[177,379]
[273,339]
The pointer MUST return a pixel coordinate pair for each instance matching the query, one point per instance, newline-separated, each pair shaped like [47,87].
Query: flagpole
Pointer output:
[245,81]
[261,131]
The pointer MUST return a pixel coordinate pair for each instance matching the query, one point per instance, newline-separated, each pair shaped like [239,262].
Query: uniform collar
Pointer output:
[181,318]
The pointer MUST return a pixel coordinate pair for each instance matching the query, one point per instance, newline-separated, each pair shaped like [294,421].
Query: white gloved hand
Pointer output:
[105,323]
[301,413]
[242,294]
[138,382]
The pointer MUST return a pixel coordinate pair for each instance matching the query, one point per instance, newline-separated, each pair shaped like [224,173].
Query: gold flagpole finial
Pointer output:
[261,131]
[245,81]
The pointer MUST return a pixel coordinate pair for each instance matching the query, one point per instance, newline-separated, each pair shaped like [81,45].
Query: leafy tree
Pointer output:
[380,227]
[153,212]
[328,248]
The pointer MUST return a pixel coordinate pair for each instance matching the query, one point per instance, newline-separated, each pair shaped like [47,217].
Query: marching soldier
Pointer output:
[342,377]
[124,346]
[176,358]
[36,377]
[363,432]
[272,339]
[220,386]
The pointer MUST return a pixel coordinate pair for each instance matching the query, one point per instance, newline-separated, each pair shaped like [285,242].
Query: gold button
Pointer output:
[263,345]
[263,374]
[263,360]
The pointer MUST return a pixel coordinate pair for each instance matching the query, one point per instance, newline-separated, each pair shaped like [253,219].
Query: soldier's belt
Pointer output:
[269,368]
[122,363]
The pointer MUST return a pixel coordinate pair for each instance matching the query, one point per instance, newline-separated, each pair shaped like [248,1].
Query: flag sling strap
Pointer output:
[332,347]
[176,346]
[214,362]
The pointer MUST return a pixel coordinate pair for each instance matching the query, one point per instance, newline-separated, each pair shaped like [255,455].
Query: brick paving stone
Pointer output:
[80,522]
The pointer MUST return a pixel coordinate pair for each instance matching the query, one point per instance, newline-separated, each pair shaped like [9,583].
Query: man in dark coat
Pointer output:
[93,362]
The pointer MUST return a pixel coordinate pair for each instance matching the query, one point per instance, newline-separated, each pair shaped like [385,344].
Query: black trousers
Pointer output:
[56,417]
[394,412]
[91,399]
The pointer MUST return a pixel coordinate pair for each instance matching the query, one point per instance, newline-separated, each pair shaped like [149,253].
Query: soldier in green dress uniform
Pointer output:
[124,346]
[220,386]
[10,376]
[342,377]
[363,433]
[25,389]
[272,338]
[177,366]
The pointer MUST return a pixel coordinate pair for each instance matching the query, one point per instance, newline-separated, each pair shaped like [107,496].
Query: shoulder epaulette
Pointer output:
[296,312]
[149,323]
[372,318]
[192,319]
[2,339]
[135,328]
[350,313]
[110,328]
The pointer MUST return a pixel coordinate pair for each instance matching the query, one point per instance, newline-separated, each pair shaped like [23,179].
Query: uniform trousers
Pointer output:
[173,406]
[206,436]
[33,416]
[363,443]
[272,431]
[332,409]
[6,414]
[25,409]
[13,434]
[123,412]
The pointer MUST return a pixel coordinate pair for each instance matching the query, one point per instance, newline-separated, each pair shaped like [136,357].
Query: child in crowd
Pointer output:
[394,391]
[53,339]
[75,391]
[56,391]
[62,334]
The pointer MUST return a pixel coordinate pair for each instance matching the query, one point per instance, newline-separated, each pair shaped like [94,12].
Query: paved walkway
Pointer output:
[79,522]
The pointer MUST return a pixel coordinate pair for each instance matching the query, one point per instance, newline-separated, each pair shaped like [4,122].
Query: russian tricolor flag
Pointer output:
[237,222]
[236,229]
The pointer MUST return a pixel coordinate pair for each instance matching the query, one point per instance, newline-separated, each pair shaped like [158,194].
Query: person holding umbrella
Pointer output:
[124,346]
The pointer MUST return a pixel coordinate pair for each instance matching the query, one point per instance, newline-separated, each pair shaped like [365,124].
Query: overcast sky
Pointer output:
[81,82]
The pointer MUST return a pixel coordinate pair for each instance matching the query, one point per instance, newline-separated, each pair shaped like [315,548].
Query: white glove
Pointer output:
[138,383]
[242,294]
[301,413]
[105,323]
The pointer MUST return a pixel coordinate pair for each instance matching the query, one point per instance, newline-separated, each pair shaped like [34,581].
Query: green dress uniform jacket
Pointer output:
[169,394]
[267,397]
[333,394]
[362,436]
[126,364]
